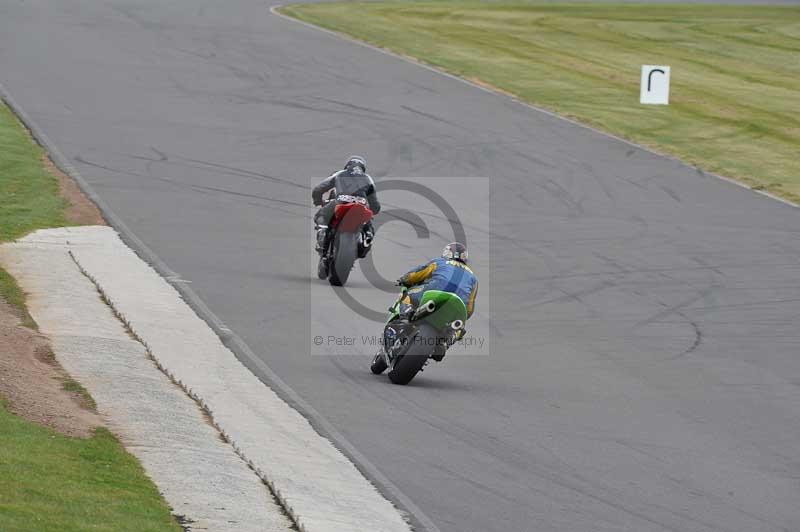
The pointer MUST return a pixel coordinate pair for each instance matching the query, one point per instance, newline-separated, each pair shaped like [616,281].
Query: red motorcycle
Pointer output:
[347,239]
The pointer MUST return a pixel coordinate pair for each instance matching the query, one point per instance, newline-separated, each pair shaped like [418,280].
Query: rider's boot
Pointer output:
[441,347]
[322,238]
[439,351]
[367,236]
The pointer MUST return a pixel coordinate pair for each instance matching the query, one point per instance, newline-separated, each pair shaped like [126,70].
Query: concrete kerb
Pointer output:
[201,477]
[173,378]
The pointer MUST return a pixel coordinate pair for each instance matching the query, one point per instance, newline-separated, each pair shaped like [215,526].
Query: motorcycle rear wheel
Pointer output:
[344,256]
[411,362]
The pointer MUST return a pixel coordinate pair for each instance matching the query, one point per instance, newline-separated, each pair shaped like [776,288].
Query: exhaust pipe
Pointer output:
[427,308]
[457,325]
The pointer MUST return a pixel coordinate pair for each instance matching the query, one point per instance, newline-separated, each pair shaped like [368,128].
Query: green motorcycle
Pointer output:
[411,339]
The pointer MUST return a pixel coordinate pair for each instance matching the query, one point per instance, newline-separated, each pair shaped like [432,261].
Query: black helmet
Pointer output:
[455,251]
[356,161]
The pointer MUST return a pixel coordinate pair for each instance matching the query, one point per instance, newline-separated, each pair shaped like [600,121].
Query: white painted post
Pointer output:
[655,85]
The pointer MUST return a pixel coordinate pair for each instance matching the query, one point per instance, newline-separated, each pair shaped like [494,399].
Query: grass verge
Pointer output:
[49,481]
[735,96]
[53,482]
[29,197]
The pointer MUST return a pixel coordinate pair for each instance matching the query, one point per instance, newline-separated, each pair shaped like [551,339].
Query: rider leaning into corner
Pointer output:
[449,273]
[353,180]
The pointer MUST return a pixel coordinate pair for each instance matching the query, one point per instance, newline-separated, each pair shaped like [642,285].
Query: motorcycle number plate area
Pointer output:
[346,198]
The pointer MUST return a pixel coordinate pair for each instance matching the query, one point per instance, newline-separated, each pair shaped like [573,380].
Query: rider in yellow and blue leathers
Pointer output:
[449,273]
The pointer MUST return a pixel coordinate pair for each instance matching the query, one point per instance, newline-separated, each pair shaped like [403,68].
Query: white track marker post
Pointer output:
[655,85]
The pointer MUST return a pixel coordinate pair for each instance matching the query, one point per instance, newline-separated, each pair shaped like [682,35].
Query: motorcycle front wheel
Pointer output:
[378,365]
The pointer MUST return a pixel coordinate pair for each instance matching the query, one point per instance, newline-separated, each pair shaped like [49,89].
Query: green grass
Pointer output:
[735,96]
[50,482]
[29,197]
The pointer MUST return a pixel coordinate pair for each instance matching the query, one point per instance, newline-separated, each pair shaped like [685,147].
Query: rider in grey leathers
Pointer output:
[353,180]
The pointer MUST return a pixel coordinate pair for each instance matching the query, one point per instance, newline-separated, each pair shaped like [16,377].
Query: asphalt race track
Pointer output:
[644,371]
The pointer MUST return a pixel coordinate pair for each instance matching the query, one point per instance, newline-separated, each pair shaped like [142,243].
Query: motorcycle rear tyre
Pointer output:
[345,248]
[410,363]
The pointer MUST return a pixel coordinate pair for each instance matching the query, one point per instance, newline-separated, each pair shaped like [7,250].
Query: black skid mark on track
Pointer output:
[197,188]
[698,337]
[431,117]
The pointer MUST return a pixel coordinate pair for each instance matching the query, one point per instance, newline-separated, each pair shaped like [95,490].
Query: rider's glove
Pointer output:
[399,282]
